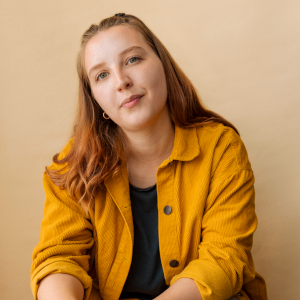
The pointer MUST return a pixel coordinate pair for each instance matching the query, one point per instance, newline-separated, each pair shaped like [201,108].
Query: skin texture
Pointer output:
[182,289]
[60,286]
[136,72]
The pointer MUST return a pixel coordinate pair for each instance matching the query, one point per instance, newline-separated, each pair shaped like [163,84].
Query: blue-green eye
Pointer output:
[136,59]
[99,76]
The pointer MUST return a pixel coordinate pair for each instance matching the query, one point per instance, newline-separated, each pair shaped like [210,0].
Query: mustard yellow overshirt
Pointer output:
[208,184]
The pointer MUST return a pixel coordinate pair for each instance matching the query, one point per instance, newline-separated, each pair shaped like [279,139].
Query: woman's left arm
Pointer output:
[224,260]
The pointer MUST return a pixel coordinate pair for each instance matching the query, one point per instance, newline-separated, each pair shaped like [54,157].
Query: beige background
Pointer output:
[242,56]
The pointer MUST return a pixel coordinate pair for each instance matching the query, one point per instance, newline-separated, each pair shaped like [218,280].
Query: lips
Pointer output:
[131,101]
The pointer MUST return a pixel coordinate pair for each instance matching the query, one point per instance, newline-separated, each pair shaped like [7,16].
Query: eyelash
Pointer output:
[98,75]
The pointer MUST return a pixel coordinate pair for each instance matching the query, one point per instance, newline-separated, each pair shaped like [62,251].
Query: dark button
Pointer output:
[239,294]
[167,209]
[174,263]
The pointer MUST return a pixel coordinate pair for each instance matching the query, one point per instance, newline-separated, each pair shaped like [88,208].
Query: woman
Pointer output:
[153,196]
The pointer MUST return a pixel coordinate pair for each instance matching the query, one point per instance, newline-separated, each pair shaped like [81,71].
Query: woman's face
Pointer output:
[120,64]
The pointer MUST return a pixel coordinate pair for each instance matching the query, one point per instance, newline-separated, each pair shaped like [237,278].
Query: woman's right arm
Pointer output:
[61,259]
[60,286]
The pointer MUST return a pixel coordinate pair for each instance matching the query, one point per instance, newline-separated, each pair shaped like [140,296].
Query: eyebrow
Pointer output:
[121,53]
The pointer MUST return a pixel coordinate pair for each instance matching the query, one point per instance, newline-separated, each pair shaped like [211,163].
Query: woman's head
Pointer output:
[108,76]
[98,149]
[120,65]
[182,99]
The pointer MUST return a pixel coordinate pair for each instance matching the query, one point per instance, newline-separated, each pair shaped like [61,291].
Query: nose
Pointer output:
[123,80]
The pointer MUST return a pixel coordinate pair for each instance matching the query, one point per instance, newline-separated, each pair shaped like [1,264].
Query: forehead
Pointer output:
[107,44]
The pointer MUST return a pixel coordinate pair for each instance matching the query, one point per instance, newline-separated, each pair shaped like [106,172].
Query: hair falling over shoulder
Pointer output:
[99,144]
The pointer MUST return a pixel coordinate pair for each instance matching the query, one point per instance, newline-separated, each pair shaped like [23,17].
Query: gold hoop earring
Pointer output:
[105,116]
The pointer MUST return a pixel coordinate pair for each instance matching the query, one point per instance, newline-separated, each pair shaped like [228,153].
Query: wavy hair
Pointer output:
[98,144]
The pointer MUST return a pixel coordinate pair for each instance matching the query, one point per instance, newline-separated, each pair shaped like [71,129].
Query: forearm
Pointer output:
[182,289]
[60,286]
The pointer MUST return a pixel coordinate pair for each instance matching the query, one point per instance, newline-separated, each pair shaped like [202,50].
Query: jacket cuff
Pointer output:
[61,266]
[211,280]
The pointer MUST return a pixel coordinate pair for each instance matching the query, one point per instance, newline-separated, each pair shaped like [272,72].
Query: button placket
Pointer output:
[168,235]
[173,263]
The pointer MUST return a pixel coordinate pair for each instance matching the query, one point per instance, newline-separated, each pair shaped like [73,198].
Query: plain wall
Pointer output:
[243,58]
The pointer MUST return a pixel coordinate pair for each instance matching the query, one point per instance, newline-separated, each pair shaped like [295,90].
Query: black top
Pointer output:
[146,278]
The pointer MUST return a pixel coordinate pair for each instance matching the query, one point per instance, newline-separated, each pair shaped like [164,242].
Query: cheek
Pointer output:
[155,80]
[107,107]
[102,97]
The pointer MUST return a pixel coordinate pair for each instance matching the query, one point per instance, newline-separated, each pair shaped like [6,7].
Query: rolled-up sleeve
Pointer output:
[224,260]
[65,240]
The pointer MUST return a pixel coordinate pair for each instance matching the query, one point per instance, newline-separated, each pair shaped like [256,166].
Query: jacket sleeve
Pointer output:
[224,260]
[65,239]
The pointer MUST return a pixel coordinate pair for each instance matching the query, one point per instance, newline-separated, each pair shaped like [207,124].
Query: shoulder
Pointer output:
[58,197]
[62,155]
[224,144]
[217,131]
[66,149]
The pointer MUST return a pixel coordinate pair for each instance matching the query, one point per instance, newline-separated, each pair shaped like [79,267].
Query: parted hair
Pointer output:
[98,144]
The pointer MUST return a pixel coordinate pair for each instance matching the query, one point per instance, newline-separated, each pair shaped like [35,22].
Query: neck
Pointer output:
[151,145]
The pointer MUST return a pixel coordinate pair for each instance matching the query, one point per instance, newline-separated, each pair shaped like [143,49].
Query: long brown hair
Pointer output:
[98,144]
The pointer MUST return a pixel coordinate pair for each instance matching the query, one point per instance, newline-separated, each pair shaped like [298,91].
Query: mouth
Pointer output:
[131,101]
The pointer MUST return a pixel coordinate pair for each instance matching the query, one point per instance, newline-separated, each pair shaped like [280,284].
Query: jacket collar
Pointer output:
[186,144]
[186,148]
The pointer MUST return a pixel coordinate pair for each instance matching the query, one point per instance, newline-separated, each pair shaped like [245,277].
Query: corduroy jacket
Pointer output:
[205,233]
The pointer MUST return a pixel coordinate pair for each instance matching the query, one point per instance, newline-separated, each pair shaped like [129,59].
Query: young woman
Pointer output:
[153,196]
